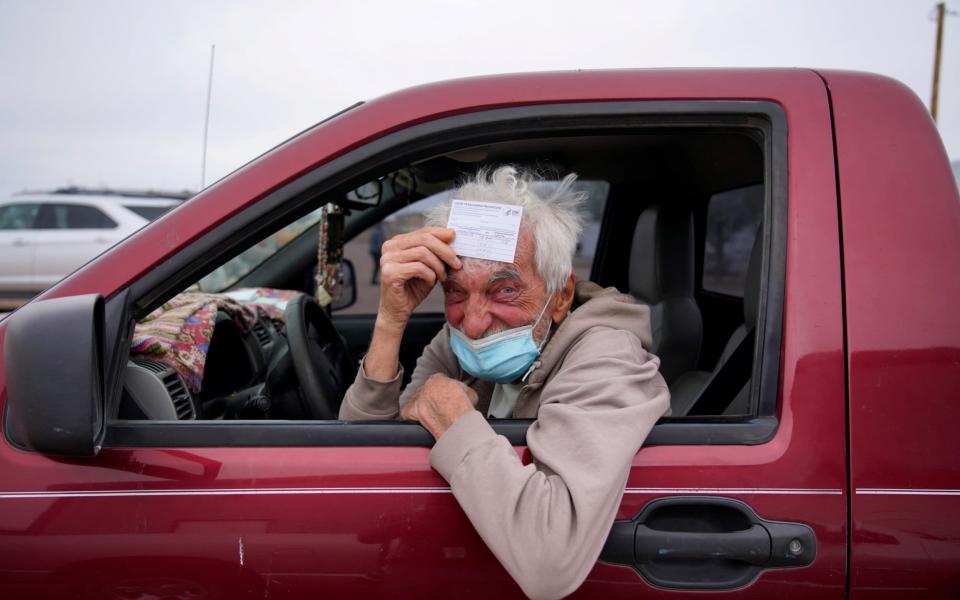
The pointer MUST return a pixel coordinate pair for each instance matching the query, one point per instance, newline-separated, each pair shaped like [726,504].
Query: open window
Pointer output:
[633,158]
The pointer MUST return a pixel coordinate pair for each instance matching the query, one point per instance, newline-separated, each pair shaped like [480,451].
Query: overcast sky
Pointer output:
[113,92]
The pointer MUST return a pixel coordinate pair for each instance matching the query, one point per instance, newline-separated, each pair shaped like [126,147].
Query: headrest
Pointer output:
[661,257]
[751,286]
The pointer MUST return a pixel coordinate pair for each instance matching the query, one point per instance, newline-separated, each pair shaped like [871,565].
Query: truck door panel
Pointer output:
[304,516]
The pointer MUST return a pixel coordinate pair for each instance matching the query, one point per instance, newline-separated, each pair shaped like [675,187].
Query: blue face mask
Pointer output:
[502,357]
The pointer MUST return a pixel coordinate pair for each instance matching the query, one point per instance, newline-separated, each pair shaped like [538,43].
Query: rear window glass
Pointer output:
[149,213]
[733,218]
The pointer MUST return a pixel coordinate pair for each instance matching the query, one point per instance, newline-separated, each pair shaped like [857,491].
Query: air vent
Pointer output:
[181,397]
[263,336]
[152,365]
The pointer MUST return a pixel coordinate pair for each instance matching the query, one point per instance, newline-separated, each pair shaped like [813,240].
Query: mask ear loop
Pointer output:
[543,342]
[546,335]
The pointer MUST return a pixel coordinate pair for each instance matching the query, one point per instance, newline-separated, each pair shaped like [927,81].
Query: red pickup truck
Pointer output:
[796,232]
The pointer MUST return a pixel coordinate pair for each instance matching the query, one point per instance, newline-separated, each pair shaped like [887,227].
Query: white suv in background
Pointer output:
[44,236]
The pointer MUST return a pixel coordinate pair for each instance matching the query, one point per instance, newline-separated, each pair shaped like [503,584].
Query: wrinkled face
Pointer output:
[485,296]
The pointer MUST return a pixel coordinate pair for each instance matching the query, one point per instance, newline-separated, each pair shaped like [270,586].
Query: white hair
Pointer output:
[550,210]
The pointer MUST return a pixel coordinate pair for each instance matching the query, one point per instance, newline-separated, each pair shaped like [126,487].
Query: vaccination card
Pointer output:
[485,230]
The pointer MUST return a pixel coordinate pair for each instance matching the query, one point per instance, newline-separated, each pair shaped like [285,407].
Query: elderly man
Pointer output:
[522,340]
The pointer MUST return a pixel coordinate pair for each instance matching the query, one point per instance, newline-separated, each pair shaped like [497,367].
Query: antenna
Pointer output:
[206,121]
[941,10]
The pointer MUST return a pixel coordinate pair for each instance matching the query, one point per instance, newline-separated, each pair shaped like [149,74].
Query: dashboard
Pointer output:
[235,374]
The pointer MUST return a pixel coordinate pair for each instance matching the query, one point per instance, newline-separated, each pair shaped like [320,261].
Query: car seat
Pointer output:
[662,276]
[726,389]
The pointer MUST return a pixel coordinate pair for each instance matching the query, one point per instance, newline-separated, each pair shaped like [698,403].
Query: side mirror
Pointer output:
[53,361]
[348,288]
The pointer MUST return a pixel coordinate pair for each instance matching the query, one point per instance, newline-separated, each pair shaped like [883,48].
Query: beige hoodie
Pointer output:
[595,393]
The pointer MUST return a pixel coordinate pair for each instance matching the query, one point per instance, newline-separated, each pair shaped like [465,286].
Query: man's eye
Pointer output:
[507,290]
[454,296]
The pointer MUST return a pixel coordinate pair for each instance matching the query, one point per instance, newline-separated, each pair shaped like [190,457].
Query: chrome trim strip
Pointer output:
[906,492]
[720,491]
[222,492]
[446,490]
[405,490]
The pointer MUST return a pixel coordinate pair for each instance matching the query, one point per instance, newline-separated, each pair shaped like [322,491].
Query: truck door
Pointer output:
[753,503]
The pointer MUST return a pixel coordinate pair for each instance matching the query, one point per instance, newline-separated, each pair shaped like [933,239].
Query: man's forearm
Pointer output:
[383,356]
[375,392]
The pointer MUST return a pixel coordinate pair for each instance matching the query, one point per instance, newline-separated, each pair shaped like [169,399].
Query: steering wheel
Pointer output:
[320,358]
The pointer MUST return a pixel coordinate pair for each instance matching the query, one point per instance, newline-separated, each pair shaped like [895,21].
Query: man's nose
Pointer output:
[476,319]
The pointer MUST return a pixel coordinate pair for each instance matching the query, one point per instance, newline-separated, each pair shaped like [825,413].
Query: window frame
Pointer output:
[442,135]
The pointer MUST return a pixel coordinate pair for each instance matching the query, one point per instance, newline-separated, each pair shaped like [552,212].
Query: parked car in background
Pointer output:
[47,235]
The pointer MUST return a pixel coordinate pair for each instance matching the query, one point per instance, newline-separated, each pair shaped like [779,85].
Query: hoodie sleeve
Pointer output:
[371,399]
[547,521]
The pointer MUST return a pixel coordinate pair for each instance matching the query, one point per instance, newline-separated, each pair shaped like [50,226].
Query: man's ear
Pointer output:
[563,299]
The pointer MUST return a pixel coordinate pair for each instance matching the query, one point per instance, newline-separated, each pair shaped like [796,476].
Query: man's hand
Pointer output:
[439,403]
[411,264]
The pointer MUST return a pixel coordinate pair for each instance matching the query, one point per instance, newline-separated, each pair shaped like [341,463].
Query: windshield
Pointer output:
[239,266]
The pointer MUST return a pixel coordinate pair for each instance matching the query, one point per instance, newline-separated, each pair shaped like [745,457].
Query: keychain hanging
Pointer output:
[330,255]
